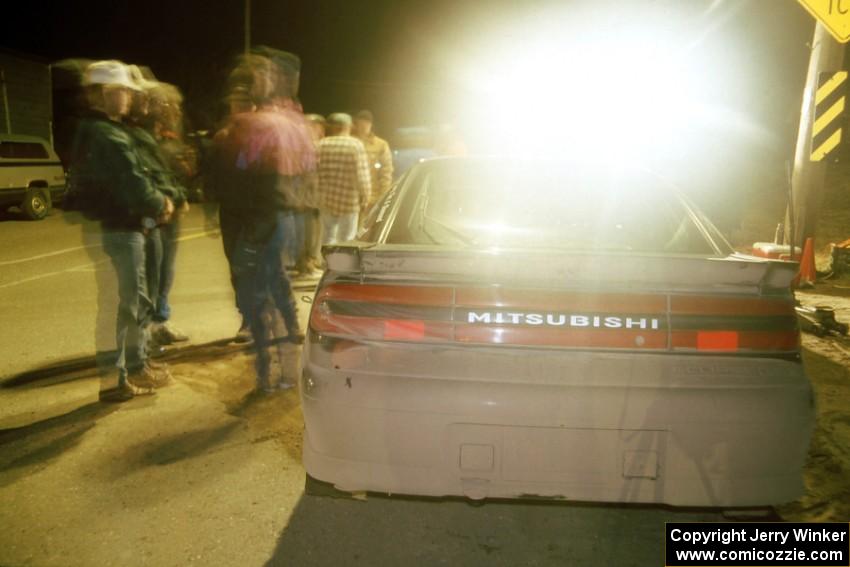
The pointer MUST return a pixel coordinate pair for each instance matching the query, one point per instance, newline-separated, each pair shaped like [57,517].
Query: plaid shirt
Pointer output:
[344,179]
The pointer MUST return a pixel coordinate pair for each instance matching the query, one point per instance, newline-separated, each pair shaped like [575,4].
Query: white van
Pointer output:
[31,174]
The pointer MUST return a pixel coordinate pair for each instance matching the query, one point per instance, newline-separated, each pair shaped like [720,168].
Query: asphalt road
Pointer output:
[58,295]
[50,272]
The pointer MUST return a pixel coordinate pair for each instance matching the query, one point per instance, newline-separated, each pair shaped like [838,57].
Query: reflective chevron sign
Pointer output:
[830,100]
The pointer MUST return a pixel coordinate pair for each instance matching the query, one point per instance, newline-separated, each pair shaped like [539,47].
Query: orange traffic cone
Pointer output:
[808,274]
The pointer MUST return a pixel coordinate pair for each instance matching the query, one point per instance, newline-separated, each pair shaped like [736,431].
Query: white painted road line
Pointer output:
[80,268]
[47,255]
[88,266]
[75,248]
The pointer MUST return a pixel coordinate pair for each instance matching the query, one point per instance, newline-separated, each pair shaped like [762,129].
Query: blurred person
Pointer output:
[116,190]
[412,145]
[284,101]
[284,78]
[378,150]
[310,259]
[155,120]
[248,82]
[286,73]
[264,158]
[71,96]
[179,160]
[317,124]
[239,100]
[166,122]
[344,180]
[136,122]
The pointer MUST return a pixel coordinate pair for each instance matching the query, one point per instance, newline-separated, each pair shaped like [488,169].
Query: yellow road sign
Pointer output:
[833,14]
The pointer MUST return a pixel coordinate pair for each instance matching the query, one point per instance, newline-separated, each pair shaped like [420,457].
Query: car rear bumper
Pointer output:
[616,427]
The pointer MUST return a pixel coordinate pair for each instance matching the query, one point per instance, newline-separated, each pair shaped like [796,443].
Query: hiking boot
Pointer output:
[243,335]
[301,267]
[145,379]
[173,334]
[121,393]
[165,334]
[157,365]
[160,372]
[315,268]
[295,337]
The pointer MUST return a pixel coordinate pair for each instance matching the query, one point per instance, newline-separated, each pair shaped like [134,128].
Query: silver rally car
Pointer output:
[507,328]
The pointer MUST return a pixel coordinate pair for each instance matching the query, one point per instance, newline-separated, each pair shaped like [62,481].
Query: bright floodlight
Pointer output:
[637,91]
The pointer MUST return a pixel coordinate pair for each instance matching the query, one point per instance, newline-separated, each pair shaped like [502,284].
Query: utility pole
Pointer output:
[50,103]
[247,26]
[5,101]
[807,178]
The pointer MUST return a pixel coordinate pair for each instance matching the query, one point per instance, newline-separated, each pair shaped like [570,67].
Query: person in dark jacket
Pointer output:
[263,159]
[107,169]
[152,125]
[216,187]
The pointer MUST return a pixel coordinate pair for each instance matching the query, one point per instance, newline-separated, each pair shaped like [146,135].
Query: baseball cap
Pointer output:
[109,72]
[340,119]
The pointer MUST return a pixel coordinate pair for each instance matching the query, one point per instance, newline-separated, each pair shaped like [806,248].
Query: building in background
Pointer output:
[25,95]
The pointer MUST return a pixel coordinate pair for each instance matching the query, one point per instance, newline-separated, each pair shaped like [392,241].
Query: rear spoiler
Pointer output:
[736,273]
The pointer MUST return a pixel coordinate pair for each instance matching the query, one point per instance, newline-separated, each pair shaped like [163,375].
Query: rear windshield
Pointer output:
[534,205]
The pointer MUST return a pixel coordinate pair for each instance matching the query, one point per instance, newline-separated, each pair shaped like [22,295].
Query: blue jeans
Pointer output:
[231,229]
[168,236]
[312,249]
[126,250]
[260,276]
[153,262]
[293,225]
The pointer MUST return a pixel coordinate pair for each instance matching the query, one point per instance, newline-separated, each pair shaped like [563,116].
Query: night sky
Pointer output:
[355,54]
[391,56]
[404,60]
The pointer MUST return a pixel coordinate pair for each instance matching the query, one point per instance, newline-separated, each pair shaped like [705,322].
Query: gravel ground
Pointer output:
[827,362]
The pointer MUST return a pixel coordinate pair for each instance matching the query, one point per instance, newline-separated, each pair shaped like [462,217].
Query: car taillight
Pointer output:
[717,340]
[729,325]
[583,320]
[382,312]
